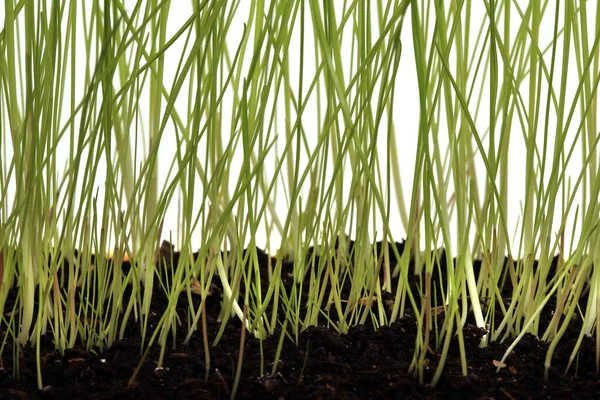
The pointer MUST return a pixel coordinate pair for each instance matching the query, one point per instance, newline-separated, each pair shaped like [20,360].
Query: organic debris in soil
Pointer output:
[363,364]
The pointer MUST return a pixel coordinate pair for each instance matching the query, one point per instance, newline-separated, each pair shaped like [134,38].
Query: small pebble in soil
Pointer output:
[48,389]
[160,372]
[271,382]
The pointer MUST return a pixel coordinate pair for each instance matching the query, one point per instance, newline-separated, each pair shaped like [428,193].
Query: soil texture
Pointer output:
[365,363]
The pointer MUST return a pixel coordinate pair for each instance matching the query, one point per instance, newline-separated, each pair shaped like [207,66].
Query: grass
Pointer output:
[282,121]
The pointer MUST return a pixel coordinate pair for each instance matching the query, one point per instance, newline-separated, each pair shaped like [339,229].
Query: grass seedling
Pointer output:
[238,369]
[285,122]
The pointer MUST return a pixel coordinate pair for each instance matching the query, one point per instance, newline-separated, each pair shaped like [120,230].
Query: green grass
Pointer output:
[284,120]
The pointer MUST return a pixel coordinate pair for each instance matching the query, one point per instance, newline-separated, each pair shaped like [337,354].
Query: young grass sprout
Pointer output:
[285,123]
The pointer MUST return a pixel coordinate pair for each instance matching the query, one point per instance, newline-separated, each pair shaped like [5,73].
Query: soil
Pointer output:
[366,363]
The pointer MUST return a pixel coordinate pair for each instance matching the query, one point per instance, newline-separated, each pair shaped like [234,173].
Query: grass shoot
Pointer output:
[284,120]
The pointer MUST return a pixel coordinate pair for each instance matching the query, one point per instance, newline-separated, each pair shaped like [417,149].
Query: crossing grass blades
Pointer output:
[286,120]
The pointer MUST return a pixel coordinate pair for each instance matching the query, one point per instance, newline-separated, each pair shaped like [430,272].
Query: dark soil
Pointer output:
[363,364]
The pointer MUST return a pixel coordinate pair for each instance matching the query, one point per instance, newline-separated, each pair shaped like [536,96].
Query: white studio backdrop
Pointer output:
[406,118]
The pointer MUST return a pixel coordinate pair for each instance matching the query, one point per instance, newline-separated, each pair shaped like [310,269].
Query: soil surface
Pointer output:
[363,364]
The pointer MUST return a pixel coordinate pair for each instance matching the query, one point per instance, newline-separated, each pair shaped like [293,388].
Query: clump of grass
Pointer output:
[289,127]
